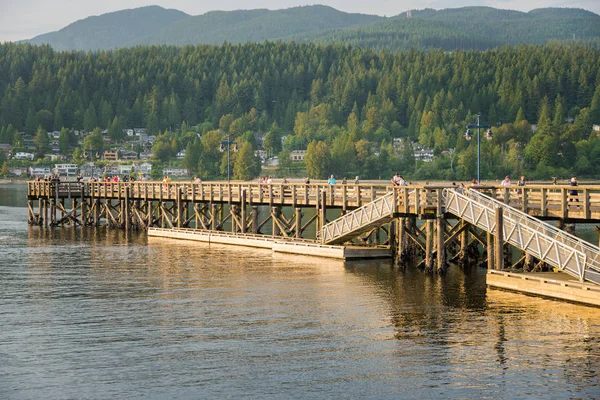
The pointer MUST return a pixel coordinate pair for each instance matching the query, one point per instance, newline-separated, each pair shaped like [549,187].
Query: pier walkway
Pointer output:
[424,224]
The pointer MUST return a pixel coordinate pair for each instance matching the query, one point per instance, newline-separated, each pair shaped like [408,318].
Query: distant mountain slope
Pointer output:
[469,28]
[111,30]
[255,25]
[449,29]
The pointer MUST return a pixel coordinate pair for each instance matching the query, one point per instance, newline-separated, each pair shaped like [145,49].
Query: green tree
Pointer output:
[272,140]
[4,170]
[317,160]
[42,141]
[247,164]
[193,151]
[115,131]
[94,142]
[64,141]
[90,120]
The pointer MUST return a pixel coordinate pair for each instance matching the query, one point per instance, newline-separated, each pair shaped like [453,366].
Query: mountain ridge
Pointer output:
[449,29]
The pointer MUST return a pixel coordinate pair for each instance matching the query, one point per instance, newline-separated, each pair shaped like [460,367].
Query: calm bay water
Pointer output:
[93,313]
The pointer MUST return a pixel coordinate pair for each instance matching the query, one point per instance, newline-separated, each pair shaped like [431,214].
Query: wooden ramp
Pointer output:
[547,243]
[356,222]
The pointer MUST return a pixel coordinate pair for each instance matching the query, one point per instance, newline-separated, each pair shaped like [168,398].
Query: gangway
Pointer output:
[360,220]
[549,244]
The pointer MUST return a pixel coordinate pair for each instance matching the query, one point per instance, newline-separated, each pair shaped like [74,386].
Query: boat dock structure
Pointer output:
[528,228]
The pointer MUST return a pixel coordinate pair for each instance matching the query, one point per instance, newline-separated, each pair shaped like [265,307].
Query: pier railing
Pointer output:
[552,239]
[542,201]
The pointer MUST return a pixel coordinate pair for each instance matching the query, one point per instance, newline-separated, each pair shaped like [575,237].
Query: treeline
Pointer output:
[345,105]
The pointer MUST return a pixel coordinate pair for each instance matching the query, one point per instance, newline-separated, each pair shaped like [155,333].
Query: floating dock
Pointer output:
[553,285]
[276,244]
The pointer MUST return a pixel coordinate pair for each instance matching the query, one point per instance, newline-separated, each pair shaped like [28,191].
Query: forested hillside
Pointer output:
[110,31]
[345,105]
[449,29]
[255,25]
[470,28]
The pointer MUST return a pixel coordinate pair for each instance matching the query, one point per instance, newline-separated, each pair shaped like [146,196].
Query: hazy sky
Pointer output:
[24,19]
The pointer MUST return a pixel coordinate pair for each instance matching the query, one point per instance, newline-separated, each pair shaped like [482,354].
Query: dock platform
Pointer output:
[276,244]
[553,285]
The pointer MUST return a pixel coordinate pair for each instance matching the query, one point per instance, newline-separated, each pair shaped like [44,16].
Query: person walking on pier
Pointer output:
[356,180]
[573,193]
[506,181]
[521,183]
[331,180]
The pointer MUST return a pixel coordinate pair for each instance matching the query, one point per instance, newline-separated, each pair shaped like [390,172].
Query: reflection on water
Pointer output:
[96,313]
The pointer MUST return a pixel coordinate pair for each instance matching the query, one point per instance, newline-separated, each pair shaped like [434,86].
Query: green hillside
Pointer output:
[109,31]
[449,29]
[469,28]
[255,25]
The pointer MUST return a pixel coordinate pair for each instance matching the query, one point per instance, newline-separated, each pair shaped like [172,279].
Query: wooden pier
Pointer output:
[427,225]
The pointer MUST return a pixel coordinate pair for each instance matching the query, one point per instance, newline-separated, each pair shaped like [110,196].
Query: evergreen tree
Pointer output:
[115,131]
[247,164]
[42,141]
[4,171]
[90,120]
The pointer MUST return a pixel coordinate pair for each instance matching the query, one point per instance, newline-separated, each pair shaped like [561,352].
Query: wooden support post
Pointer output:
[179,206]
[84,207]
[441,249]
[323,210]
[254,219]
[214,219]
[30,213]
[400,238]
[499,245]
[40,211]
[74,210]
[221,213]
[62,208]
[298,227]
[392,239]
[429,245]
[564,204]
[55,204]
[125,209]
[96,212]
[150,211]
[275,215]
[464,242]
[243,210]
[490,250]
[234,210]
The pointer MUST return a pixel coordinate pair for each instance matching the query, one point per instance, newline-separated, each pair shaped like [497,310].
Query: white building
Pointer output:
[125,169]
[145,168]
[39,171]
[297,155]
[171,171]
[262,154]
[21,155]
[111,169]
[66,170]
[88,170]
[425,155]
[180,155]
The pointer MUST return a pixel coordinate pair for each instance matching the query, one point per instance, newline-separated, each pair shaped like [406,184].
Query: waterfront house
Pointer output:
[172,171]
[297,155]
[66,170]
[39,171]
[111,155]
[22,155]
